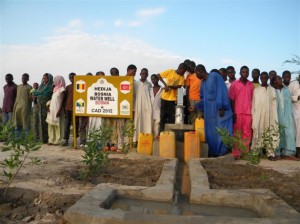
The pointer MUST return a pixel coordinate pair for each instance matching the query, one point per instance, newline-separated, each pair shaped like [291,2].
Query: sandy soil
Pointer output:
[224,174]
[41,194]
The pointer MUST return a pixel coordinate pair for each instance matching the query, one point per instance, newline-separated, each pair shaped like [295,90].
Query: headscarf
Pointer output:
[45,89]
[59,83]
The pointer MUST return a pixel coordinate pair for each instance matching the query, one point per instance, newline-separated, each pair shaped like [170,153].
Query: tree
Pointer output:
[294,60]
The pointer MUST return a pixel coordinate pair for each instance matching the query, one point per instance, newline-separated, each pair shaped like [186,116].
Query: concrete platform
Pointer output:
[91,208]
[262,201]
[94,202]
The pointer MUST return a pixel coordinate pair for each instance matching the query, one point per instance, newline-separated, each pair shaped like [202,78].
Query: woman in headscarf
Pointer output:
[55,112]
[43,95]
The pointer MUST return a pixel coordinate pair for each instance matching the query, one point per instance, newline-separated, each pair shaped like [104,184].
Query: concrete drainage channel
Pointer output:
[94,206]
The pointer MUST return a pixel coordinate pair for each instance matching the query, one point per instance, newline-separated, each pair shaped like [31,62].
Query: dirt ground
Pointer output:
[224,174]
[41,194]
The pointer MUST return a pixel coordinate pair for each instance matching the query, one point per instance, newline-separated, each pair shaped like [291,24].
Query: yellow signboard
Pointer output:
[103,96]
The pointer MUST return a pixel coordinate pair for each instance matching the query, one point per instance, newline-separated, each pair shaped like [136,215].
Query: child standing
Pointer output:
[287,145]
[55,112]
[22,107]
[193,92]
[43,95]
[155,96]
[143,107]
[35,110]
[69,110]
[10,93]
[241,94]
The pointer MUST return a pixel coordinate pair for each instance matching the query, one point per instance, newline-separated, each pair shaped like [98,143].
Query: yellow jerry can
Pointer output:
[167,144]
[199,127]
[191,145]
[145,142]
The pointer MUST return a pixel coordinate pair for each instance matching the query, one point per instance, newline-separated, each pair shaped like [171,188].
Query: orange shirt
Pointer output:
[194,83]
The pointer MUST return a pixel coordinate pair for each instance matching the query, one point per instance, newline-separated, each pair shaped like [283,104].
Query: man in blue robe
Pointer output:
[215,105]
[287,146]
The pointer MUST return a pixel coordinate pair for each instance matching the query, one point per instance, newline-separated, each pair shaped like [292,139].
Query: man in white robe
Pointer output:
[264,115]
[294,88]
[143,107]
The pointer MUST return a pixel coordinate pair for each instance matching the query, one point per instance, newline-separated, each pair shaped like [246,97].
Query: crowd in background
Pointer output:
[249,107]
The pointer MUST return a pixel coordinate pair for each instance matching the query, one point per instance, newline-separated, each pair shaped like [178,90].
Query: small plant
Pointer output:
[127,133]
[269,138]
[94,156]
[236,141]
[21,144]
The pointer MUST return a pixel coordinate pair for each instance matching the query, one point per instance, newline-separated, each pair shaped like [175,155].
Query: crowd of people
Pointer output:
[238,105]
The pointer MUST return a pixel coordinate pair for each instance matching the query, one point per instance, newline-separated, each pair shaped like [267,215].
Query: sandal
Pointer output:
[107,147]
[271,158]
[113,148]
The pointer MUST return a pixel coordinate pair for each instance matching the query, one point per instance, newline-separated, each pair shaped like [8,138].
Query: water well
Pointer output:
[196,202]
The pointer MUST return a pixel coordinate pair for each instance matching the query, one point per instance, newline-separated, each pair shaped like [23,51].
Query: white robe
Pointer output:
[94,123]
[143,109]
[54,105]
[294,89]
[156,103]
[264,115]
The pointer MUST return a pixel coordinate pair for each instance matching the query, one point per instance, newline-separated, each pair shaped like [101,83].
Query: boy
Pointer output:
[155,96]
[143,108]
[287,145]
[113,122]
[35,110]
[264,115]
[10,93]
[174,80]
[240,94]
[255,77]
[69,110]
[22,107]
[294,88]
[230,71]
[216,107]
[193,92]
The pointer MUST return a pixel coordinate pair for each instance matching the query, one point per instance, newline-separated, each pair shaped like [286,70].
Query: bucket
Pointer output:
[167,144]
[199,127]
[191,145]
[145,144]
[179,115]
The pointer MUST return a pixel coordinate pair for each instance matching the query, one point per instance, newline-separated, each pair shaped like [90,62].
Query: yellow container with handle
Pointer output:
[191,145]
[167,144]
[145,143]
[199,127]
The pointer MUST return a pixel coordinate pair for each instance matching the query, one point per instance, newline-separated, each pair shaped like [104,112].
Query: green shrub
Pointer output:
[20,144]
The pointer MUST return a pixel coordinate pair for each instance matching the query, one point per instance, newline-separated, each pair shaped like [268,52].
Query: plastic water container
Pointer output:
[167,144]
[199,127]
[145,143]
[191,145]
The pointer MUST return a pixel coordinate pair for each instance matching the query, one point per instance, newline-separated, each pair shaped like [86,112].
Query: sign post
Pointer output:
[102,96]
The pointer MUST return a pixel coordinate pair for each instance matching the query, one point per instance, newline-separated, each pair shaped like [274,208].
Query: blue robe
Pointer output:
[214,96]
[285,118]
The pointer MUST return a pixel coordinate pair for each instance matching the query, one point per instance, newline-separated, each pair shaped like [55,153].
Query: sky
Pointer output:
[63,36]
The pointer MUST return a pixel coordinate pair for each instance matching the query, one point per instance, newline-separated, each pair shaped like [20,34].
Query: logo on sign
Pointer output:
[125,87]
[80,106]
[80,86]
[125,108]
